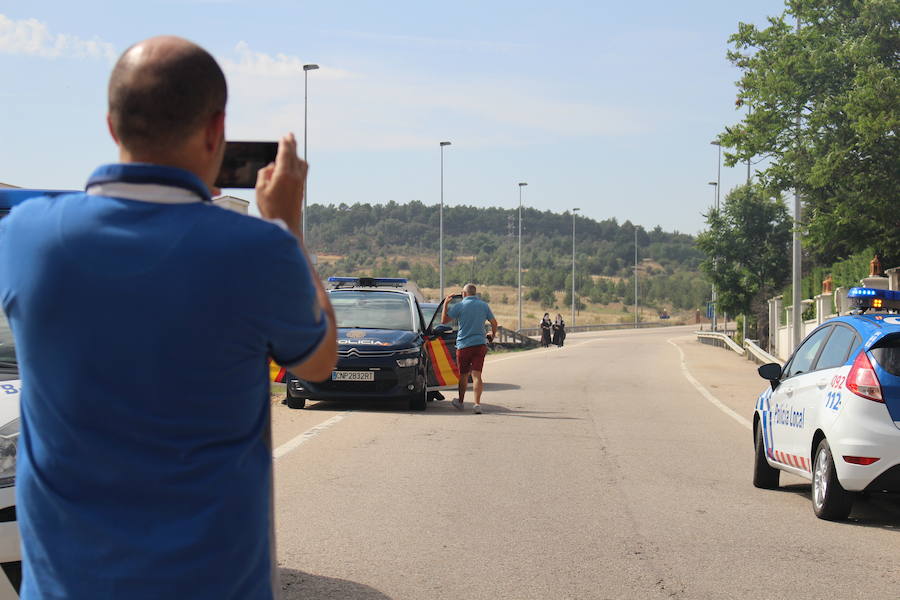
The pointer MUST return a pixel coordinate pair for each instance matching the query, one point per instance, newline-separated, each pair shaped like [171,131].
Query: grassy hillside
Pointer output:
[480,245]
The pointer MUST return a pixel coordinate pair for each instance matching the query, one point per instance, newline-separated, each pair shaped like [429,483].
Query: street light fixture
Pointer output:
[521,185]
[306,70]
[574,210]
[441,236]
[715,294]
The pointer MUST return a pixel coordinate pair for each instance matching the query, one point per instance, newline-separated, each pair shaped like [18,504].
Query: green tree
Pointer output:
[746,249]
[824,109]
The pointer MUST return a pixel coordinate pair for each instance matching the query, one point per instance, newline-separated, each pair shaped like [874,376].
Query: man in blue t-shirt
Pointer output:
[144,317]
[471,343]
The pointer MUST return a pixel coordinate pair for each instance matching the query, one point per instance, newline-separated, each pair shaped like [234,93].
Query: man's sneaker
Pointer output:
[457,403]
[477,409]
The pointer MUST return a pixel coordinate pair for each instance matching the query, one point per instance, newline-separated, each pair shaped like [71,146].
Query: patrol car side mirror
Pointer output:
[441,329]
[771,372]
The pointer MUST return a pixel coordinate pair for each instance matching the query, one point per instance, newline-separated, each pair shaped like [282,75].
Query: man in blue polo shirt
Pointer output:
[143,317]
[471,343]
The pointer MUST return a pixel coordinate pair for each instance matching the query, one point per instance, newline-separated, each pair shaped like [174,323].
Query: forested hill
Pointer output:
[480,244]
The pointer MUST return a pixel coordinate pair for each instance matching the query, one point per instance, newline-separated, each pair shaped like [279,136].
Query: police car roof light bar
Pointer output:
[866,298]
[368,281]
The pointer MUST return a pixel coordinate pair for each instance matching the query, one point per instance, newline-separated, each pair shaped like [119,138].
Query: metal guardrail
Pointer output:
[758,355]
[508,336]
[536,331]
[720,339]
[751,349]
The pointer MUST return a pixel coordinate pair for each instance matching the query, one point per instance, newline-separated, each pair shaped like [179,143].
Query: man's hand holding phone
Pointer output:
[280,186]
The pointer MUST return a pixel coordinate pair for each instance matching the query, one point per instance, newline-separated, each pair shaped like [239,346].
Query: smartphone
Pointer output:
[242,162]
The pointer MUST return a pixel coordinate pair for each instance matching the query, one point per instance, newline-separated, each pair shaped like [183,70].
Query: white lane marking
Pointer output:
[706,393]
[308,435]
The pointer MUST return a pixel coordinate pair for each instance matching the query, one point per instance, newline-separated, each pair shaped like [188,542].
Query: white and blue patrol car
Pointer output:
[832,413]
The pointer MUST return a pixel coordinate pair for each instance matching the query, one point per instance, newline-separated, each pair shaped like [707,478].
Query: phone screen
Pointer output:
[242,162]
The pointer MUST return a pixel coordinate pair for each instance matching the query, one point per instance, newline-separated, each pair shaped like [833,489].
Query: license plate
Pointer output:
[353,376]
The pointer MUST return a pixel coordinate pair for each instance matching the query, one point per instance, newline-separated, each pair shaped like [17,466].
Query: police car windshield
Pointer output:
[372,310]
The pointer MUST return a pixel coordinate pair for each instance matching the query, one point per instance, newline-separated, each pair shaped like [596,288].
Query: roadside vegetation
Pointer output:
[820,97]
[481,246]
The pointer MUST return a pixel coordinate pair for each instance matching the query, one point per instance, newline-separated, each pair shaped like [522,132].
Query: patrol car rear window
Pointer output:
[888,355]
[372,310]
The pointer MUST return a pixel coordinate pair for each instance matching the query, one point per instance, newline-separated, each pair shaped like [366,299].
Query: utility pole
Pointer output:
[521,185]
[574,210]
[635,279]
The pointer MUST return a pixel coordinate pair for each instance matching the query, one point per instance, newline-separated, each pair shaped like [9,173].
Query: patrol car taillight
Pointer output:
[861,460]
[862,380]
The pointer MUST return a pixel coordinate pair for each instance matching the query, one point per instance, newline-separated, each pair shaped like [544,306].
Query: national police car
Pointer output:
[385,347]
[832,413]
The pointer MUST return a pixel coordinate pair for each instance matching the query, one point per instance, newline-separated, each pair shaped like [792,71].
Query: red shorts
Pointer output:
[471,358]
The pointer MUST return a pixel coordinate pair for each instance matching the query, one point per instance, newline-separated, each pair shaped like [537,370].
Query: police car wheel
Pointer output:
[765,476]
[296,402]
[830,500]
[418,400]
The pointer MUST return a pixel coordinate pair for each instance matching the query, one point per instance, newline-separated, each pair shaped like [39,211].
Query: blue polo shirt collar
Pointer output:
[134,175]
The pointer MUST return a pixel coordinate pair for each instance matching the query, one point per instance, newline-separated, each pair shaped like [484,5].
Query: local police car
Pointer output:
[385,347]
[832,413]
[10,386]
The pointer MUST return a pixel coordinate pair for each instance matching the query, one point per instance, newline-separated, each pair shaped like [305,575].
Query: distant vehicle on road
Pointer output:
[386,348]
[663,314]
[832,413]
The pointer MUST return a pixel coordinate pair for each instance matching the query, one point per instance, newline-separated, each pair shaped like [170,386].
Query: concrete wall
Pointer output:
[827,306]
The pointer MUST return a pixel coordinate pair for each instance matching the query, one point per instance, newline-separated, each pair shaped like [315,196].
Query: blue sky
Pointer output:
[607,106]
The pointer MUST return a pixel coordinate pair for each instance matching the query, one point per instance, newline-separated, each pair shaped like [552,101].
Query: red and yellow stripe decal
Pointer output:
[442,363]
[800,462]
[276,372]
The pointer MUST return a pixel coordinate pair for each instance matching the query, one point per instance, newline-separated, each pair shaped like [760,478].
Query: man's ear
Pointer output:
[112,131]
[214,133]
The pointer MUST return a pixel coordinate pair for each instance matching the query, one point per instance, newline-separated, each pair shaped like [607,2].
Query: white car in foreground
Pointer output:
[10,386]
[832,413]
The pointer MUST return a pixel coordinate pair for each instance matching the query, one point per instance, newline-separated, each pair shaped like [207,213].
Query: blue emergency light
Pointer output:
[866,298]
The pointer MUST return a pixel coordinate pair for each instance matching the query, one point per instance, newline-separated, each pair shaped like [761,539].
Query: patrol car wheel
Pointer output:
[765,476]
[418,400]
[830,500]
[296,402]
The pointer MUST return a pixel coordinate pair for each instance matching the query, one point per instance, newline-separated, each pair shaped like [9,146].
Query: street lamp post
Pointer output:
[306,70]
[521,185]
[574,210]
[441,252]
[718,144]
[635,279]
[715,293]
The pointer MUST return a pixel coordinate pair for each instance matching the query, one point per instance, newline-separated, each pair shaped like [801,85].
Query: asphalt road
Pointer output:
[598,470]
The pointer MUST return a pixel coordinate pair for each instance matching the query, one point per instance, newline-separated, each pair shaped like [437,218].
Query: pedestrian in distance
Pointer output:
[546,329]
[145,460]
[471,342]
[559,331]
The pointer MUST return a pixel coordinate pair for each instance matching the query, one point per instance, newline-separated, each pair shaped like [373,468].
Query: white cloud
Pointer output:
[352,110]
[32,37]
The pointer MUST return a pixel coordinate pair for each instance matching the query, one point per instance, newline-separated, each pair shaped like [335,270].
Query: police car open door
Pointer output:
[443,372]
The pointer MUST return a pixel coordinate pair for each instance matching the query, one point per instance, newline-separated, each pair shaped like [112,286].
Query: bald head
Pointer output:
[469,289]
[162,91]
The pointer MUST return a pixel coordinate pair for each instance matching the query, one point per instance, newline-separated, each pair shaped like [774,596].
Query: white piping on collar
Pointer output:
[144,192]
